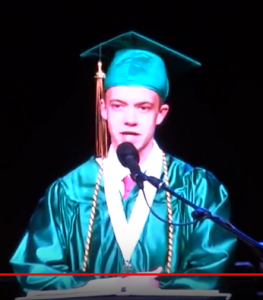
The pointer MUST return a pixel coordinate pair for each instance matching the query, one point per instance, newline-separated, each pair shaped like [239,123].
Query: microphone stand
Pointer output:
[200,213]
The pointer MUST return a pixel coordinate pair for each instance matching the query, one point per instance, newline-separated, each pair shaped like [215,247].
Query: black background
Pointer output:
[47,106]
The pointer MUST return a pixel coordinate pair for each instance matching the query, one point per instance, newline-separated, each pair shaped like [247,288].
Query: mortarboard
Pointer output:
[135,60]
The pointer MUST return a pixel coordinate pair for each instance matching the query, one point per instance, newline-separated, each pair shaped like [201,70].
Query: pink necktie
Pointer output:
[128,186]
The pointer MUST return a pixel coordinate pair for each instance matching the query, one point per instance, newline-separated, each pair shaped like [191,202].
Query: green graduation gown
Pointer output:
[56,236]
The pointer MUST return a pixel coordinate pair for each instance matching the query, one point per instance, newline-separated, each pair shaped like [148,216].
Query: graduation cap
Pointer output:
[135,60]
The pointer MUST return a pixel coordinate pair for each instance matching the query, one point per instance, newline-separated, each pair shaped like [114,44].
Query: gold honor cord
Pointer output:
[93,212]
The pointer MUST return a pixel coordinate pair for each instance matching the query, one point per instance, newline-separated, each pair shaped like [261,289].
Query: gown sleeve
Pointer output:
[43,247]
[208,248]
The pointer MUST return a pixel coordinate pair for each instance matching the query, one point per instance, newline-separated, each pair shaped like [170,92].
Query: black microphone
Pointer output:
[129,157]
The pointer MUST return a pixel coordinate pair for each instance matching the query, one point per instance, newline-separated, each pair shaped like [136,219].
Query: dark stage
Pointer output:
[48,104]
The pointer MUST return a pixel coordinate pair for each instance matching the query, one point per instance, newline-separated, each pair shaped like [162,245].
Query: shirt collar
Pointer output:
[120,171]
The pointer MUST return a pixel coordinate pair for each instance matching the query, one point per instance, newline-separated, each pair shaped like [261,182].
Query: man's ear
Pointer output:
[163,111]
[103,109]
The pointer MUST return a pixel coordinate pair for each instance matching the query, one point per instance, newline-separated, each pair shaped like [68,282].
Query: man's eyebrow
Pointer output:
[117,100]
[144,102]
[138,103]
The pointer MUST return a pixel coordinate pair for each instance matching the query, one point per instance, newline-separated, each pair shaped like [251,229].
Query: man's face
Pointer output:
[132,114]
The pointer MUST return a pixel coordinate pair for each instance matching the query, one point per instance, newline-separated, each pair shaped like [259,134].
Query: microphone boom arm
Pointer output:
[201,213]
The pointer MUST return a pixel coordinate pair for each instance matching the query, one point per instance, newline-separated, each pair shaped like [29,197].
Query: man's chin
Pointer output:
[129,138]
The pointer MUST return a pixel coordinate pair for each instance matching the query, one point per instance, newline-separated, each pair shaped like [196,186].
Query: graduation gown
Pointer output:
[55,239]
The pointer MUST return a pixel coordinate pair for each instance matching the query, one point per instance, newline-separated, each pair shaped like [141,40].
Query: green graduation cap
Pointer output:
[135,60]
[139,61]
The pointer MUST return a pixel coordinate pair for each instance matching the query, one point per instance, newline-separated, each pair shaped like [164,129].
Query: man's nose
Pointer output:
[130,117]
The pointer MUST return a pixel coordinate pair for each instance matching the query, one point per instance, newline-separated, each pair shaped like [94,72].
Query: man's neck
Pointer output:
[144,153]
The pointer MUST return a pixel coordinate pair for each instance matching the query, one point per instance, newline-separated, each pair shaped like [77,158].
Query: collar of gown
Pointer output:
[119,171]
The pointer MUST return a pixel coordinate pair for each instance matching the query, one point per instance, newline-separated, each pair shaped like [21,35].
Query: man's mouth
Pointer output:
[129,133]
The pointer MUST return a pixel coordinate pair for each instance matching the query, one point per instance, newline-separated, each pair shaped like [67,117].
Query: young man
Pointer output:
[94,220]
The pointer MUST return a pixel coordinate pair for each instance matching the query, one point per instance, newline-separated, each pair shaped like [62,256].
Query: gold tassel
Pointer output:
[102,138]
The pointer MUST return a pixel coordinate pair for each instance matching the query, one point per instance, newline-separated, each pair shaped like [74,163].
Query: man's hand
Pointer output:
[140,282]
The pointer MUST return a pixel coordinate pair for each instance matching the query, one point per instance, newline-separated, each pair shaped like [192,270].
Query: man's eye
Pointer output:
[116,105]
[145,108]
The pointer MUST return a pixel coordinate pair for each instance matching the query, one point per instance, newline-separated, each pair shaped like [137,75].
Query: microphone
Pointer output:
[129,157]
